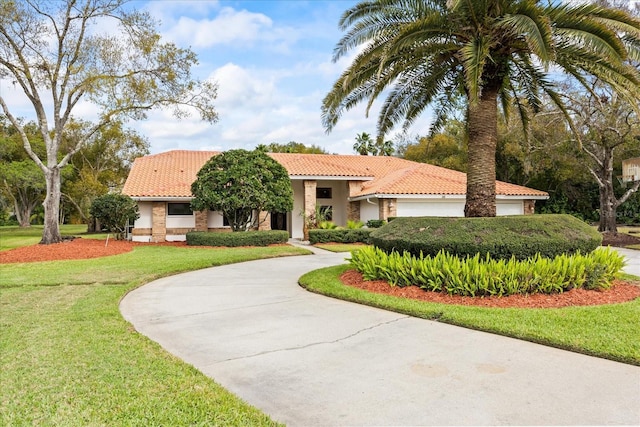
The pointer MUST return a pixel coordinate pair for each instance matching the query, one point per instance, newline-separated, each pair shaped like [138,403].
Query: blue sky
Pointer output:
[272,61]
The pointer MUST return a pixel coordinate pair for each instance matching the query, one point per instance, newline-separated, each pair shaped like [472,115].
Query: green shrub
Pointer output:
[501,237]
[114,212]
[244,238]
[480,276]
[339,235]
[327,225]
[354,225]
[376,223]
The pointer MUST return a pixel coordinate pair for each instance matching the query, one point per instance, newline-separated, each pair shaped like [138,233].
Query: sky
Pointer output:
[272,61]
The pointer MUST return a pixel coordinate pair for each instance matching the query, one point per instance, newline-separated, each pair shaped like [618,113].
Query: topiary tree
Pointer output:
[241,184]
[114,211]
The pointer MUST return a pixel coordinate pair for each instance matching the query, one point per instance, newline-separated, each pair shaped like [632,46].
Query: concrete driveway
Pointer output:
[309,360]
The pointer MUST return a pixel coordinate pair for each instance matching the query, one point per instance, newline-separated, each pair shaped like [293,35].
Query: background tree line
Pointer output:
[100,166]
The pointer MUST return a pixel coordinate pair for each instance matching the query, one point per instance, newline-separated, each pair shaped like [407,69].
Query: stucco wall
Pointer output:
[145,220]
[369,210]
[431,207]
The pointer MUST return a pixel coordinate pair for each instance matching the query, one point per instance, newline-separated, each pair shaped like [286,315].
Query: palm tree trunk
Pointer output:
[481,173]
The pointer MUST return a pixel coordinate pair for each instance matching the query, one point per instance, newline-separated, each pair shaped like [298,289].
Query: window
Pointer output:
[179,209]
[323,193]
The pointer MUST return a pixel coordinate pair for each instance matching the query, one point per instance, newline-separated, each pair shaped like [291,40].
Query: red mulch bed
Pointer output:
[77,248]
[621,292]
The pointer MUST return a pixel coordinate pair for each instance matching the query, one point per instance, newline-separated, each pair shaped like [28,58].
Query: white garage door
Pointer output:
[451,208]
[509,208]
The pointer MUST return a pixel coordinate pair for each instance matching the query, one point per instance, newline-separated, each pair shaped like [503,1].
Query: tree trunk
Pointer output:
[51,232]
[22,213]
[481,173]
[608,201]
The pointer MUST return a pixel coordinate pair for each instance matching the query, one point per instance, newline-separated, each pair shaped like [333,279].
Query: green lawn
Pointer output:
[339,247]
[608,331]
[69,358]
[13,237]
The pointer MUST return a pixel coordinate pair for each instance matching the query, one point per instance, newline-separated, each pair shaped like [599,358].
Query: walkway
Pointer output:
[309,360]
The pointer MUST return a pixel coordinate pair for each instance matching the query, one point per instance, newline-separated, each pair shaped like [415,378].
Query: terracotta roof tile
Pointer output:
[167,174]
[170,174]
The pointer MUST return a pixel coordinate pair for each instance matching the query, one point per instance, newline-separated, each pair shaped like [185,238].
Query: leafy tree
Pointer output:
[22,185]
[241,184]
[292,147]
[101,165]
[440,150]
[114,212]
[431,52]
[58,54]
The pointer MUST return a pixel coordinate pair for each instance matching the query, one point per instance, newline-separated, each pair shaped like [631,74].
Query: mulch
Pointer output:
[622,291]
[77,248]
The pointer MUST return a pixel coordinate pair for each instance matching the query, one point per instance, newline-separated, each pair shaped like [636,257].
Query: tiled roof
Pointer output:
[170,174]
[167,174]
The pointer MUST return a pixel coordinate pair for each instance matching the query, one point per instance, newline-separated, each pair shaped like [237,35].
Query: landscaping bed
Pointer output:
[621,291]
[76,248]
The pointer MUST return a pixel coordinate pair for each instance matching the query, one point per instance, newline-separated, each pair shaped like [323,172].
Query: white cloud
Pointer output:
[229,27]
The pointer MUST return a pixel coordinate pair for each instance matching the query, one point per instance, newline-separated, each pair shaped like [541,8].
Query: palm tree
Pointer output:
[432,52]
[363,144]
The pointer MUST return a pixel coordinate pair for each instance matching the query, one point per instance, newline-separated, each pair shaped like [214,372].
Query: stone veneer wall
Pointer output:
[353,211]
[309,203]
[264,221]
[159,222]
[387,208]
[201,220]
[529,207]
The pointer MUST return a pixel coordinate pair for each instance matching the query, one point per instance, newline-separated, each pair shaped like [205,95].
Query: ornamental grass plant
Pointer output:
[485,276]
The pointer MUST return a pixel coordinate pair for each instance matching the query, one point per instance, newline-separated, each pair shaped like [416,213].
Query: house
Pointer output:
[352,187]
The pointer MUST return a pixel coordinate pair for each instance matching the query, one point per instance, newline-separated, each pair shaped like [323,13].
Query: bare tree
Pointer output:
[58,54]
[607,125]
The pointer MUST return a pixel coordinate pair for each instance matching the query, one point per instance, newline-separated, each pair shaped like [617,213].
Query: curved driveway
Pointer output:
[309,360]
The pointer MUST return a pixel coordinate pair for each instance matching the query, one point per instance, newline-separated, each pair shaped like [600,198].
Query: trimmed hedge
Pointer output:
[244,238]
[483,276]
[339,235]
[501,237]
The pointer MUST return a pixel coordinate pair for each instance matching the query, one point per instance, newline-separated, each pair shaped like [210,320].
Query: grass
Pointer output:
[607,331]
[339,247]
[13,237]
[69,358]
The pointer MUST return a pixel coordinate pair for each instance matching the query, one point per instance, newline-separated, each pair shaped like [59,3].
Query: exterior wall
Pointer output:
[431,207]
[387,208]
[511,207]
[529,207]
[296,220]
[201,220]
[159,224]
[181,221]
[264,221]
[142,226]
[369,210]
[452,208]
[338,200]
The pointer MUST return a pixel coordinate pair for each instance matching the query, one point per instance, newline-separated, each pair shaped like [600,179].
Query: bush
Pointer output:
[500,237]
[245,238]
[114,212]
[354,225]
[376,223]
[480,276]
[339,235]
